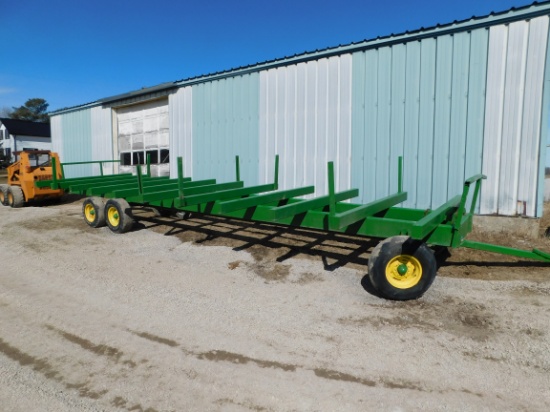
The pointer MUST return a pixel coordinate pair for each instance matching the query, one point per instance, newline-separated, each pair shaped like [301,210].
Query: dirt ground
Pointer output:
[208,314]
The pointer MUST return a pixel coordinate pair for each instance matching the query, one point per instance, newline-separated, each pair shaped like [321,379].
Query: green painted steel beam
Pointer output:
[252,201]
[405,213]
[212,190]
[102,190]
[475,178]
[225,194]
[90,179]
[85,187]
[149,184]
[187,183]
[64,183]
[277,214]
[149,188]
[535,254]
[427,224]
[159,179]
[98,181]
[343,219]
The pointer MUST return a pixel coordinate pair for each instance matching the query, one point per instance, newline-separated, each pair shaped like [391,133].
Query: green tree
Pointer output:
[34,110]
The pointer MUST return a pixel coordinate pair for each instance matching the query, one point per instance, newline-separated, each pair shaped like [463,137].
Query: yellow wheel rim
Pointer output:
[403,271]
[113,216]
[89,212]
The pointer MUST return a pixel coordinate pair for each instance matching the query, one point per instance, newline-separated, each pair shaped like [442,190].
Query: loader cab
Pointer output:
[39,159]
[33,159]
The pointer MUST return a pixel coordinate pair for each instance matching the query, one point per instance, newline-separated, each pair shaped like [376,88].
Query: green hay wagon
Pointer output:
[401,267]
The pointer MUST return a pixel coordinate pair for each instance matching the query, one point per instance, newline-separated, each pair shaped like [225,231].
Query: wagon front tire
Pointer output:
[117,215]
[401,268]
[4,195]
[93,210]
[15,196]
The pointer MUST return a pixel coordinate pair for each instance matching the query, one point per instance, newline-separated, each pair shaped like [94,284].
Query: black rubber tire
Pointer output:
[15,196]
[117,215]
[93,210]
[441,254]
[413,256]
[4,195]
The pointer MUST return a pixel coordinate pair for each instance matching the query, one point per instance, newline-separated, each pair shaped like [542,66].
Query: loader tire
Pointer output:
[4,195]
[118,215]
[15,196]
[93,210]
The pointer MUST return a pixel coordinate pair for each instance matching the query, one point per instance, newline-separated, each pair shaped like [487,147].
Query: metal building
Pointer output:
[453,100]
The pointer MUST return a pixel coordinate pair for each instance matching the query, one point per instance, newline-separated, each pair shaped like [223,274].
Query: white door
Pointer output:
[143,130]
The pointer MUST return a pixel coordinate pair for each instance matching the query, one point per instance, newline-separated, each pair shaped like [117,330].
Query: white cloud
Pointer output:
[7,90]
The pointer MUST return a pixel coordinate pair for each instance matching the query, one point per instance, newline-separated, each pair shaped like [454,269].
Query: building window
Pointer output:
[126,159]
[139,157]
[1,134]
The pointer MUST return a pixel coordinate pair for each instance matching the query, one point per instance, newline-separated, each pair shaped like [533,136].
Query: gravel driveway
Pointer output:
[215,315]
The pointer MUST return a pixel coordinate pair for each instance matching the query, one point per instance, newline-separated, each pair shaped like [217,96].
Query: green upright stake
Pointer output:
[140,179]
[148,161]
[55,186]
[331,191]
[400,174]
[101,168]
[476,195]
[462,206]
[276,177]
[180,178]
[237,169]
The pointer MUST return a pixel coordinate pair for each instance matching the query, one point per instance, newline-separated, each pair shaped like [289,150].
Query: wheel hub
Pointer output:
[113,216]
[89,212]
[403,271]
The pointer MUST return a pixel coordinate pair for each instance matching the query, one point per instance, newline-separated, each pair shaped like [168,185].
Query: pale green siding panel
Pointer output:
[459,113]
[225,124]
[371,125]
[397,125]
[77,142]
[477,87]
[442,125]
[423,184]
[422,100]
[384,120]
[359,139]
[411,129]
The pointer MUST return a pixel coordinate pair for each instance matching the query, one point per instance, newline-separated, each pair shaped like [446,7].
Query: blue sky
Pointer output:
[71,52]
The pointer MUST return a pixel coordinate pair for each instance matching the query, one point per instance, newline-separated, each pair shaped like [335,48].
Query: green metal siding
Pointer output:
[77,141]
[423,100]
[225,124]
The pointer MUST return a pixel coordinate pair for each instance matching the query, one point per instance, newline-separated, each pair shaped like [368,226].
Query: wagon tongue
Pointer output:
[534,254]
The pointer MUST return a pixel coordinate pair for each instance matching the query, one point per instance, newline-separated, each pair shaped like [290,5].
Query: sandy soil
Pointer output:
[218,315]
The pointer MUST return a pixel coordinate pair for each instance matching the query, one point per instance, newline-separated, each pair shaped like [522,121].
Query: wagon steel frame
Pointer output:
[402,268]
